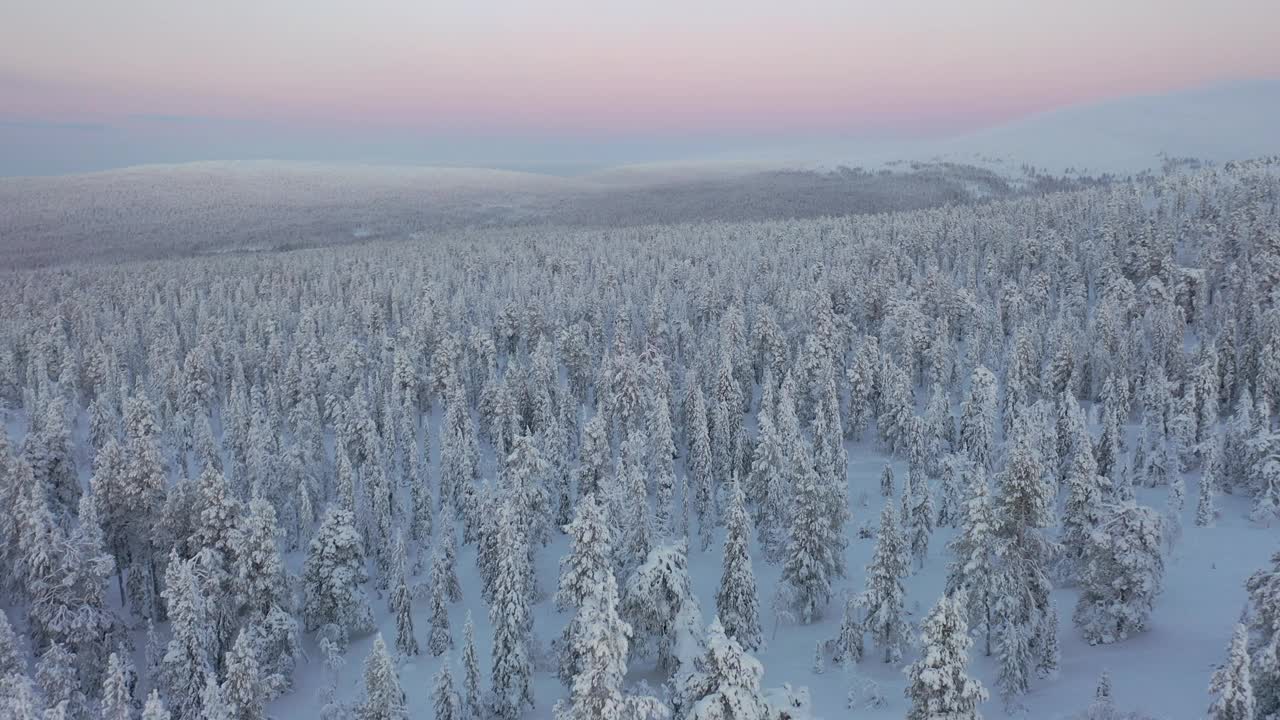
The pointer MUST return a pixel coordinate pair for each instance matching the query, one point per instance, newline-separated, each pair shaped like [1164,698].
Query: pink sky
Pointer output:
[575,66]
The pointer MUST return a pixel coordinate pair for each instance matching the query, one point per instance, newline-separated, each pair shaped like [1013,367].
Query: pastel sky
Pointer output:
[266,77]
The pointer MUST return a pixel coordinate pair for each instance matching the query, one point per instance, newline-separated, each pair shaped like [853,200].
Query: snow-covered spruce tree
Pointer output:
[1121,573]
[471,698]
[886,482]
[11,654]
[737,600]
[1081,514]
[884,596]
[440,637]
[525,483]
[1207,493]
[332,577]
[142,491]
[186,662]
[242,689]
[401,603]
[58,680]
[595,459]
[582,573]
[383,698]
[971,575]
[813,557]
[444,698]
[599,649]
[212,705]
[1231,686]
[897,408]
[509,616]
[862,377]
[660,606]
[699,463]
[1025,508]
[723,682]
[978,418]
[629,506]
[154,708]
[951,488]
[1264,623]
[938,685]
[918,518]
[767,489]
[117,700]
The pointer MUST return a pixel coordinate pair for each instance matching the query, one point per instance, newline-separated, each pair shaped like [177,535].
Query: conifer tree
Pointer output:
[737,601]
[1121,573]
[117,700]
[445,700]
[937,684]
[660,606]
[978,418]
[974,569]
[186,662]
[509,617]
[1081,513]
[766,487]
[471,701]
[155,709]
[242,689]
[402,607]
[1231,685]
[599,648]
[440,637]
[813,556]
[886,482]
[332,576]
[885,594]
[724,682]
[383,698]
[918,503]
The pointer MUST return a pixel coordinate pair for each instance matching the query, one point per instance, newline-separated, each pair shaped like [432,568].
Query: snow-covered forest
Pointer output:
[1016,458]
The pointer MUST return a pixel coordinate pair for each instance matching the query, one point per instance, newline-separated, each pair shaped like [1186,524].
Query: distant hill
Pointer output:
[1219,123]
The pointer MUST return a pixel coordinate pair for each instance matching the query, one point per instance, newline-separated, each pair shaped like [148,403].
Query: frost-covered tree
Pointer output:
[978,418]
[333,575]
[1122,571]
[885,595]
[938,685]
[402,606]
[973,570]
[767,486]
[1264,623]
[723,683]
[117,699]
[886,482]
[444,699]
[440,637]
[699,462]
[154,708]
[1231,685]
[599,651]
[1083,510]
[186,661]
[242,688]
[814,555]
[509,616]
[661,608]
[737,601]
[383,698]
[471,699]
[918,514]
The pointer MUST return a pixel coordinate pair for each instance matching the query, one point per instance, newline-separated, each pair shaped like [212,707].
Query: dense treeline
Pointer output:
[179,430]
